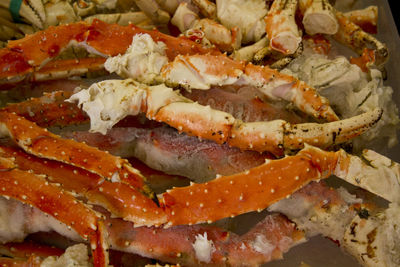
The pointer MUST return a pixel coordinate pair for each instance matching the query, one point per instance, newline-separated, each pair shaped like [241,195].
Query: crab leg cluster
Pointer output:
[102,199]
[20,58]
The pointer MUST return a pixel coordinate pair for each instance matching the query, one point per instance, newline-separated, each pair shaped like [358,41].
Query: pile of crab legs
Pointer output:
[113,183]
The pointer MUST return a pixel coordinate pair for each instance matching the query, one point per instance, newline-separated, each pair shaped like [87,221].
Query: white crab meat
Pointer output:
[142,61]
[247,15]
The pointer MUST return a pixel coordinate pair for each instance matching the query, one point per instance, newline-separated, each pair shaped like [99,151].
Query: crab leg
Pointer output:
[226,248]
[188,21]
[166,150]
[55,201]
[153,10]
[119,198]
[261,186]
[31,53]
[40,142]
[366,18]
[45,110]
[318,17]
[353,36]
[162,104]
[281,27]
[203,71]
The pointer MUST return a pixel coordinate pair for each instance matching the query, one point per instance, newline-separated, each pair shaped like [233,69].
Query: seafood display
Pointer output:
[137,146]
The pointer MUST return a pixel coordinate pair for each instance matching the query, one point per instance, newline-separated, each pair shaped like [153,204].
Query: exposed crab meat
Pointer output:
[368,233]
[161,103]
[203,71]
[166,150]
[281,28]
[188,21]
[248,16]
[207,8]
[318,17]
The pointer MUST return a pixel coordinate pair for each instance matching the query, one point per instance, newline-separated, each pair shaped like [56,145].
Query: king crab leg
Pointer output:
[161,103]
[203,71]
[265,242]
[270,182]
[166,150]
[281,27]
[119,198]
[56,202]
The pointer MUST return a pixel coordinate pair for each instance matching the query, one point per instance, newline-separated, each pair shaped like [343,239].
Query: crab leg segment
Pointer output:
[183,244]
[261,186]
[366,18]
[52,200]
[353,36]
[281,27]
[45,110]
[162,104]
[318,17]
[203,71]
[42,143]
[251,190]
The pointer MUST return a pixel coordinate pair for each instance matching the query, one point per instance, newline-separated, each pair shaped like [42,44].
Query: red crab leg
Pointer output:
[119,198]
[251,190]
[69,67]
[180,154]
[31,262]
[42,143]
[177,244]
[27,249]
[46,110]
[29,54]
[261,186]
[203,71]
[51,199]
